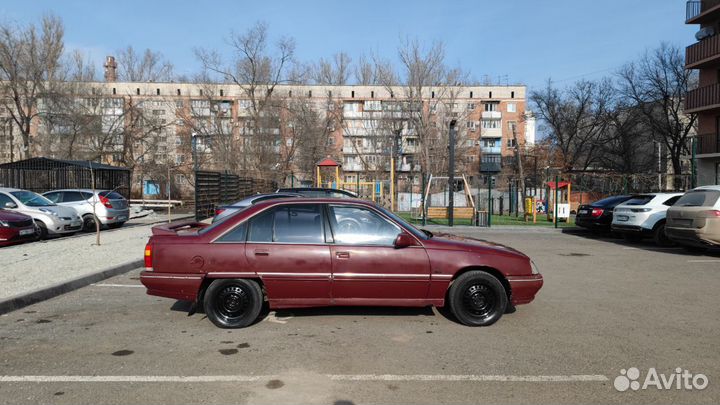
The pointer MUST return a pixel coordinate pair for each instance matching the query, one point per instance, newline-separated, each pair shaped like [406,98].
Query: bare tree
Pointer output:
[30,60]
[657,84]
[148,66]
[335,72]
[256,71]
[575,119]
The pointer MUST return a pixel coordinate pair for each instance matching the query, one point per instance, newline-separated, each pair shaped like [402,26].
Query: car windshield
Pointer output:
[31,199]
[699,198]
[415,231]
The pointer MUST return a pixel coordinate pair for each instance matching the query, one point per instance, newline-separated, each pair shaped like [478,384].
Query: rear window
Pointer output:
[614,200]
[111,195]
[639,200]
[699,198]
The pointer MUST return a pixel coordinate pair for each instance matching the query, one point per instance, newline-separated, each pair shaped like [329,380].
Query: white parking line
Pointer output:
[333,377]
[704,261]
[119,285]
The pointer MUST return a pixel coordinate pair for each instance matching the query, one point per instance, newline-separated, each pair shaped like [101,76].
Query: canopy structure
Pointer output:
[562,184]
[327,162]
[43,174]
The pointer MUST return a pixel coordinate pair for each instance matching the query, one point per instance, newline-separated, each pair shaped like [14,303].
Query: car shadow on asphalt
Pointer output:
[644,244]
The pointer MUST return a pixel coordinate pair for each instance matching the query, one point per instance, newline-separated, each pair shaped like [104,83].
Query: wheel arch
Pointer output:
[208,280]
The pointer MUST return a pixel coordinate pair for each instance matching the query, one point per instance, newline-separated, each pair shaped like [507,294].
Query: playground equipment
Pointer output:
[559,199]
[441,212]
[327,162]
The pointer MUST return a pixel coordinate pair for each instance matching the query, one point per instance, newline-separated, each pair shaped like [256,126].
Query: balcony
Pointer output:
[492,167]
[701,11]
[493,149]
[491,132]
[703,99]
[704,54]
[708,144]
[495,115]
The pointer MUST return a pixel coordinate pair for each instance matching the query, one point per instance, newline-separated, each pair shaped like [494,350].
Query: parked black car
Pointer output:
[598,215]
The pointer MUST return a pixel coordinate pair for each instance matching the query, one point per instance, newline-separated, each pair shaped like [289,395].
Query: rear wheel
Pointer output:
[477,298]
[89,223]
[233,303]
[659,235]
[42,230]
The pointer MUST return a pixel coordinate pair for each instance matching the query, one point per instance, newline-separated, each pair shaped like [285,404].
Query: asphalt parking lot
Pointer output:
[605,306]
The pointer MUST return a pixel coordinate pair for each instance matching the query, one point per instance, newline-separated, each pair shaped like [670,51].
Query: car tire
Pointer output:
[477,298]
[42,230]
[89,223]
[116,225]
[233,303]
[659,236]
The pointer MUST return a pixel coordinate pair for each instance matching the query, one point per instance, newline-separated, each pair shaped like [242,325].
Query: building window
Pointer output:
[352,94]
[178,104]
[512,94]
[490,95]
[511,126]
[471,94]
[309,93]
[472,125]
[511,143]
[491,124]
[372,94]
[289,93]
[432,94]
[511,107]
[137,91]
[201,92]
[157,92]
[114,91]
[330,93]
[178,92]
[471,106]
[491,106]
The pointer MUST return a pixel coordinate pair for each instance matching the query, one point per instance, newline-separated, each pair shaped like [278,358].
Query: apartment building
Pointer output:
[704,101]
[187,123]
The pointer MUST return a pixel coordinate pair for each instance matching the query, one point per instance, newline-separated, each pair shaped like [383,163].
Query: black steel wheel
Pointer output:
[477,298]
[233,303]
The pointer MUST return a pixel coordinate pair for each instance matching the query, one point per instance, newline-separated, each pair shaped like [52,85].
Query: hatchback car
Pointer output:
[294,253]
[694,220]
[227,210]
[644,216]
[598,215]
[50,218]
[111,208]
[16,228]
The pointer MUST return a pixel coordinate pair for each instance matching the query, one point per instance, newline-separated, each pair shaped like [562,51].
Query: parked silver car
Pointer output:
[227,210]
[111,208]
[50,218]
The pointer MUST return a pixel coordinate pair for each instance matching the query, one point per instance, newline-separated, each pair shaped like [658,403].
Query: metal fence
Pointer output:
[213,189]
[44,174]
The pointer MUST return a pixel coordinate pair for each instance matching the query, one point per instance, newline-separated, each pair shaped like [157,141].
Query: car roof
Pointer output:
[709,187]
[311,200]
[8,189]
[86,190]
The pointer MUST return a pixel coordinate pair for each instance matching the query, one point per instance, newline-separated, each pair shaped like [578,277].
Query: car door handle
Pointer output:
[262,252]
[342,255]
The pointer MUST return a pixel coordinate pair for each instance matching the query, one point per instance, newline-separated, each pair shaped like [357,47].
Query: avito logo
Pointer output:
[679,380]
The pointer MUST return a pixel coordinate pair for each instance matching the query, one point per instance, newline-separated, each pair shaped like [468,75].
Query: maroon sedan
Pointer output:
[16,228]
[304,252]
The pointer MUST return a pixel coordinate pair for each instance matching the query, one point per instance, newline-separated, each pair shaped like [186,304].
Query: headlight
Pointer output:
[4,224]
[47,211]
[534,268]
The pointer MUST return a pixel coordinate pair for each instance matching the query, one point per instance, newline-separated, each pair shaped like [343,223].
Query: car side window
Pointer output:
[72,196]
[54,197]
[292,223]
[4,200]
[236,235]
[86,195]
[672,200]
[361,226]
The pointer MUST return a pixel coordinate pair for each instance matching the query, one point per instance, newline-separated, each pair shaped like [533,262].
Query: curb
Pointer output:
[20,301]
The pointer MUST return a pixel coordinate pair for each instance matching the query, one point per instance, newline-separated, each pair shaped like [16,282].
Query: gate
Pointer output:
[213,189]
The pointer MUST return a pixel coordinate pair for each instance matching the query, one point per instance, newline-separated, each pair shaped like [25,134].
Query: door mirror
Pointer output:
[10,204]
[404,240]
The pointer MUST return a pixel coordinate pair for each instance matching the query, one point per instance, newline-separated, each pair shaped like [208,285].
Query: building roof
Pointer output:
[48,163]
[327,162]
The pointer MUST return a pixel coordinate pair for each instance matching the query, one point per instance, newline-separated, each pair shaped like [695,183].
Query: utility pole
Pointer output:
[518,160]
[451,172]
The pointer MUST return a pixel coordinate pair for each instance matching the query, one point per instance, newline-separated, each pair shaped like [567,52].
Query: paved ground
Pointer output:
[606,306]
[35,265]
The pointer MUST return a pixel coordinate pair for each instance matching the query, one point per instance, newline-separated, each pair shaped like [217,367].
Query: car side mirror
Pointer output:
[10,204]
[404,240]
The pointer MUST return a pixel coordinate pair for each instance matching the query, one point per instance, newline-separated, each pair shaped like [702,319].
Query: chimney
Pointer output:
[110,69]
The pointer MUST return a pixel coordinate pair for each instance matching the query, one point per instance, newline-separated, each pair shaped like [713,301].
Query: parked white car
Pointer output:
[644,216]
[50,218]
[111,208]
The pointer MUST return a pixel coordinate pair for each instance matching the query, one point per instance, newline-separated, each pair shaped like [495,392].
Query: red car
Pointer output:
[16,228]
[304,252]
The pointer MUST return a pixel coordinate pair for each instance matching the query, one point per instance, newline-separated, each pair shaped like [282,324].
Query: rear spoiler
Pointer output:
[173,227]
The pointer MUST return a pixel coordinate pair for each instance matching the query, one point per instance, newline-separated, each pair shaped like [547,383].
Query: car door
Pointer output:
[367,268]
[286,246]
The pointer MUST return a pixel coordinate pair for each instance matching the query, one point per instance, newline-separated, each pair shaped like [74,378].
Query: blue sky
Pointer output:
[525,41]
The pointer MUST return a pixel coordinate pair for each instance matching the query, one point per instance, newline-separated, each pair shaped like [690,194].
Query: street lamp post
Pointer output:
[451,172]
[194,151]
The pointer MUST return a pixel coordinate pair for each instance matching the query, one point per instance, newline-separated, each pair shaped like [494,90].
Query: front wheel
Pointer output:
[233,303]
[477,298]
[42,230]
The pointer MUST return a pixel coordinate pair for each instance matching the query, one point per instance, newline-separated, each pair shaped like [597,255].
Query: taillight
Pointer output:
[712,214]
[219,211]
[596,212]
[106,202]
[148,256]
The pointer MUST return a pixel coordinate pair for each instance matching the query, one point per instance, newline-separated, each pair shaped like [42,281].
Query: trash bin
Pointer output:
[481,218]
